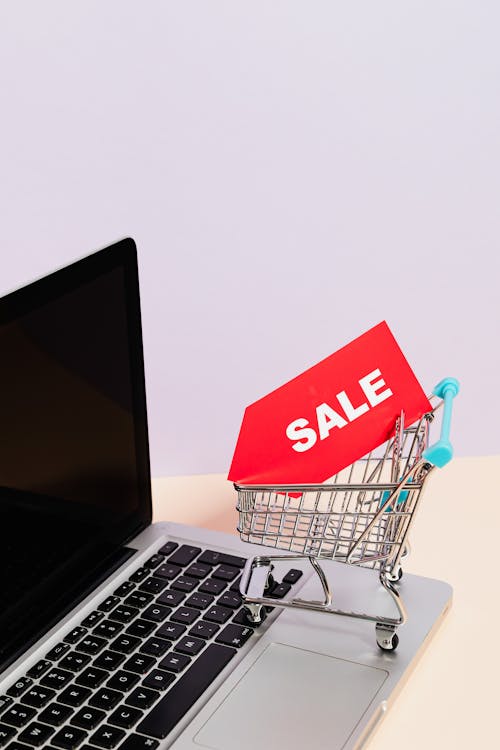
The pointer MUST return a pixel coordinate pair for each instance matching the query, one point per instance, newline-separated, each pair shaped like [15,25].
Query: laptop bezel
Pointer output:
[64,280]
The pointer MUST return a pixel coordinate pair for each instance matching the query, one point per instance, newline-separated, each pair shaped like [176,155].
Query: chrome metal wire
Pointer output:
[361,515]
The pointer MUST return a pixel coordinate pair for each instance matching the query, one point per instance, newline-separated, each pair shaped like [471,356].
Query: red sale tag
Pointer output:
[330,415]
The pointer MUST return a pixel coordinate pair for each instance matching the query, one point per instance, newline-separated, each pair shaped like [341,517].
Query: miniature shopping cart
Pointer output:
[362,516]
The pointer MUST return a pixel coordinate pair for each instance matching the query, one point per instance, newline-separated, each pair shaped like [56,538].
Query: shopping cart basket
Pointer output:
[362,516]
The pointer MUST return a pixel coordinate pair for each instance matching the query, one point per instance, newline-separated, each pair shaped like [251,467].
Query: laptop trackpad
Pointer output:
[291,698]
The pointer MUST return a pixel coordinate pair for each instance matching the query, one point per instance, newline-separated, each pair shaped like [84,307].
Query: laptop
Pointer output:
[119,633]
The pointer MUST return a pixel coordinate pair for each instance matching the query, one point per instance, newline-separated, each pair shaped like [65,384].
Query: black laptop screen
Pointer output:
[74,472]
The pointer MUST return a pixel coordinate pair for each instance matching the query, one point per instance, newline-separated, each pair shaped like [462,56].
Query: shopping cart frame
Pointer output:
[269,516]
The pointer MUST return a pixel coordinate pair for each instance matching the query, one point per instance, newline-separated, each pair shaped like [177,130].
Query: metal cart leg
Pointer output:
[257,575]
[257,579]
[394,575]
[385,630]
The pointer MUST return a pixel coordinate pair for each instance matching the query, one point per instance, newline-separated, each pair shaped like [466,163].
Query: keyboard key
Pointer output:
[92,619]
[184,555]
[38,697]
[56,652]
[198,571]
[39,668]
[108,604]
[125,717]
[158,679]
[280,590]
[124,589]
[190,646]
[91,645]
[124,681]
[106,699]
[185,615]
[139,663]
[211,557]
[212,586]
[125,644]
[235,586]
[153,585]
[171,598]
[108,629]
[19,687]
[5,702]
[88,717]
[168,548]
[174,662]
[226,573]
[156,612]
[18,715]
[184,583]
[138,599]
[230,599]
[36,734]
[218,614]
[74,661]
[55,714]
[69,738]
[203,629]
[74,695]
[91,677]
[154,561]
[235,560]
[292,576]
[234,635]
[186,691]
[122,613]
[107,736]
[56,678]
[6,733]
[109,660]
[155,646]
[75,635]
[141,628]
[140,575]
[21,746]
[199,601]
[138,742]
[171,631]
[168,571]
[141,698]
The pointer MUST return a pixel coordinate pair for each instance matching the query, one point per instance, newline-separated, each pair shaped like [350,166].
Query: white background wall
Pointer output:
[293,173]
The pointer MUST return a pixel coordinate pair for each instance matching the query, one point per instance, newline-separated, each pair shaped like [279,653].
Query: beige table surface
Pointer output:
[452,699]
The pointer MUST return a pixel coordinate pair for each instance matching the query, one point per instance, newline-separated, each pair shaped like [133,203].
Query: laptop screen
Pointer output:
[74,468]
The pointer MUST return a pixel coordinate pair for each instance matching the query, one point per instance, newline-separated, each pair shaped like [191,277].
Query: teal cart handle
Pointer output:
[442,451]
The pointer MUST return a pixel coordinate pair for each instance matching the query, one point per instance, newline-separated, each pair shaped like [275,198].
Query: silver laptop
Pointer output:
[119,633]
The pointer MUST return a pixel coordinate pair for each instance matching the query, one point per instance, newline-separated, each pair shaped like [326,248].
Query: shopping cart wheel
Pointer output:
[387,638]
[255,613]
[395,575]
[259,614]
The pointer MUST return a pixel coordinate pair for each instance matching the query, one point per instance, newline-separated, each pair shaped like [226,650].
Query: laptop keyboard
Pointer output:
[139,661]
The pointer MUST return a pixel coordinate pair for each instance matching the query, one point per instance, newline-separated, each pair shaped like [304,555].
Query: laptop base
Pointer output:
[312,679]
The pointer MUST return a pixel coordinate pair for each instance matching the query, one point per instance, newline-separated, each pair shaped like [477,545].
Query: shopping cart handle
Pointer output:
[442,451]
